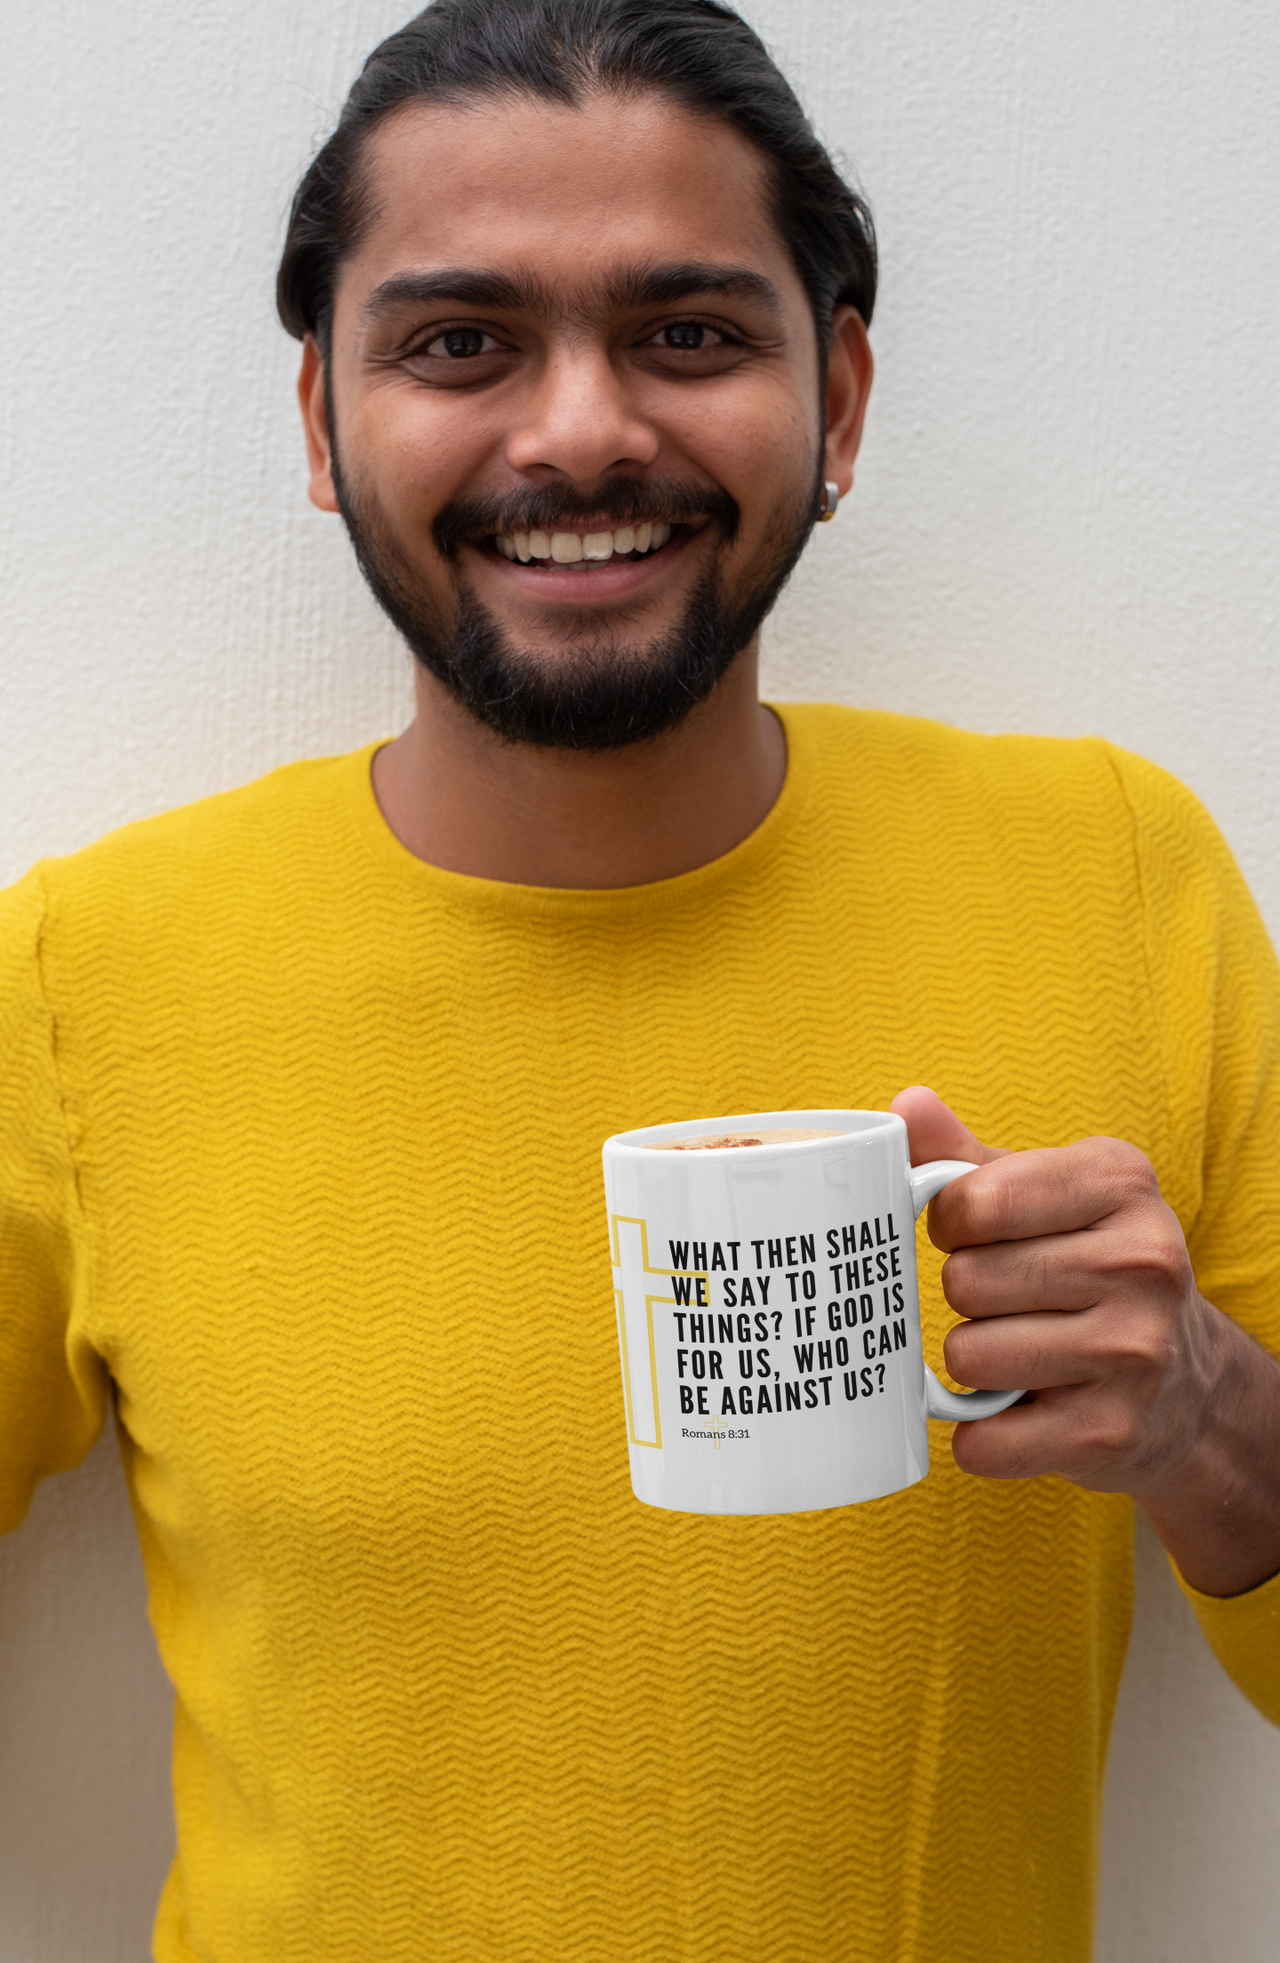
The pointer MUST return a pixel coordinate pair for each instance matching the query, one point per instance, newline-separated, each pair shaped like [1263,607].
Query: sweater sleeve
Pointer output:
[53,1388]
[1215,984]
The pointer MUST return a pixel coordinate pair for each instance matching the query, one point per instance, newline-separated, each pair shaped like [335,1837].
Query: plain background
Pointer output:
[1066,521]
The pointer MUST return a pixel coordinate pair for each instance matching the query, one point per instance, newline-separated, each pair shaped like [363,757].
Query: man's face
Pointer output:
[574,396]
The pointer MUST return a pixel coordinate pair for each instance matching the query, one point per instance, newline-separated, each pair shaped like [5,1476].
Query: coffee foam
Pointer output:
[719,1140]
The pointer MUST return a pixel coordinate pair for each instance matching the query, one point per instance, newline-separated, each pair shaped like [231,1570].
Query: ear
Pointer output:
[315,423]
[850,368]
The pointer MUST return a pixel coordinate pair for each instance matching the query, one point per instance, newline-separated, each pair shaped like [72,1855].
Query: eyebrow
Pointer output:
[643,285]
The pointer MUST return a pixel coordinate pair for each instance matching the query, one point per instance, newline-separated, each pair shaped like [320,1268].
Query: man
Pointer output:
[301,1167]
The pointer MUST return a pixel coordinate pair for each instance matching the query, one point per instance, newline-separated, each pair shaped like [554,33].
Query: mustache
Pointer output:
[558,508]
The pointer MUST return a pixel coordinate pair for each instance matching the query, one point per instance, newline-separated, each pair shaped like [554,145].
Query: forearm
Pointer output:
[1219,1512]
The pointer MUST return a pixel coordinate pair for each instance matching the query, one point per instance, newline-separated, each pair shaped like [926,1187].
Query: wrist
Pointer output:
[1217,1509]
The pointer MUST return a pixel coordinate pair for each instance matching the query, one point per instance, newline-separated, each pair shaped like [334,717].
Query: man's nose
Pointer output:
[581,420]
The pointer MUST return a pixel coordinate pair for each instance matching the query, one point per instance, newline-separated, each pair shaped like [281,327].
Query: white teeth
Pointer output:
[575,548]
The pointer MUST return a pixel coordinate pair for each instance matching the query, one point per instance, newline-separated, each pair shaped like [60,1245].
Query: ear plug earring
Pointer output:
[830,501]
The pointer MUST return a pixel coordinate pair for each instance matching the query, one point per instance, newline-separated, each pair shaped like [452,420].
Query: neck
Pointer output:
[457,796]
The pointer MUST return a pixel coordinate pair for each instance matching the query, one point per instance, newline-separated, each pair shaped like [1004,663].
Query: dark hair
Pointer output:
[701,53]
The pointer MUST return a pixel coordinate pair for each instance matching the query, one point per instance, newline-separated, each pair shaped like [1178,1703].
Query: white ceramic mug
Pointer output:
[768,1313]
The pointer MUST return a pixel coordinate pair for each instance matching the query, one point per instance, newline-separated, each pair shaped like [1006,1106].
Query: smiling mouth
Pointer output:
[581,551]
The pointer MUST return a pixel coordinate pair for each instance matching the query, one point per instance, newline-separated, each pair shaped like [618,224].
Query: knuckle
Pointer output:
[960,1280]
[952,1221]
[1140,1340]
[1129,1172]
[998,1202]
[960,1351]
[1149,1345]
[973,1210]
[1113,1432]
[1154,1259]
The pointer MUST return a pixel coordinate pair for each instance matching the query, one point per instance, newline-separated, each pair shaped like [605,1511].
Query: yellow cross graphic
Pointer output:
[632,1271]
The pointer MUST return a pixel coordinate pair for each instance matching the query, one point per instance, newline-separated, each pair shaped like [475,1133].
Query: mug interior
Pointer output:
[849,1123]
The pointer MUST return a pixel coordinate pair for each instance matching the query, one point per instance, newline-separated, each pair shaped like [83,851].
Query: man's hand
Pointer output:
[1077,1282]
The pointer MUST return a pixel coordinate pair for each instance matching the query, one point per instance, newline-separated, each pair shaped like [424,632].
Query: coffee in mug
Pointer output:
[764,1276]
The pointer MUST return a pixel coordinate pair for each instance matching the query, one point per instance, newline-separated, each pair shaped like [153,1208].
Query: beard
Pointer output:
[597,691]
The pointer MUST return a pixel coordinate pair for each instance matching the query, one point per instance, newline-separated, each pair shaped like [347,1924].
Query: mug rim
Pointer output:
[868,1124]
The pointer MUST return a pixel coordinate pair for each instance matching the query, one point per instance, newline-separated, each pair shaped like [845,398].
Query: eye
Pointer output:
[461,344]
[688,336]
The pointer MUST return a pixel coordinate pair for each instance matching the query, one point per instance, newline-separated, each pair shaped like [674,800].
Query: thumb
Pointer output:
[935,1132]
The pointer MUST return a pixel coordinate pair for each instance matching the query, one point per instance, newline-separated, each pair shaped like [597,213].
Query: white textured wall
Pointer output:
[1066,521]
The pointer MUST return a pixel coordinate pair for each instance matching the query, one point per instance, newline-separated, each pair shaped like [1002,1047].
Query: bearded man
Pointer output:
[308,1083]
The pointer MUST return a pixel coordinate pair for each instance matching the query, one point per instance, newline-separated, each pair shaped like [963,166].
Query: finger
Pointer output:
[935,1132]
[1056,1190]
[1054,1274]
[1084,1433]
[1143,1257]
[1128,1347]
[1036,1352]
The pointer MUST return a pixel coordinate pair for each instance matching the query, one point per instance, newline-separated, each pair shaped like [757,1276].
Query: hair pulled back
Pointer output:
[565,51]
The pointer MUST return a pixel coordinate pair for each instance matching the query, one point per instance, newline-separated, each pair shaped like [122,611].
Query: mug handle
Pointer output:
[925,1181]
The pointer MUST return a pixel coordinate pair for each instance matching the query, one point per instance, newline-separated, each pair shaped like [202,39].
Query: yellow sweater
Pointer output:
[300,1152]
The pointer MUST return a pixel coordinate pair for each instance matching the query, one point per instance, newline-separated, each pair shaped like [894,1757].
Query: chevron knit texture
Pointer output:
[299,1155]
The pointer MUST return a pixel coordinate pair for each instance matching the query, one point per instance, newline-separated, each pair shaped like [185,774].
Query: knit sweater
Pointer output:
[299,1168]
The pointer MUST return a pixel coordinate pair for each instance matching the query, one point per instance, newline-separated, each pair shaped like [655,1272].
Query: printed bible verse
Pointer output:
[770,1326]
